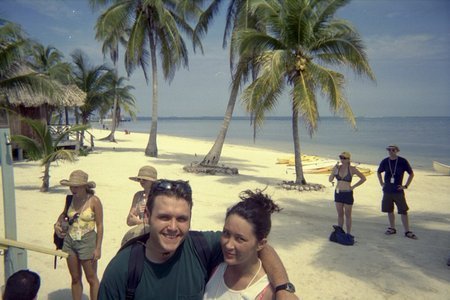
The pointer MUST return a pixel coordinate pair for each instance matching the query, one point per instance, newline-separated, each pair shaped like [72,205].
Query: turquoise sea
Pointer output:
[421,139]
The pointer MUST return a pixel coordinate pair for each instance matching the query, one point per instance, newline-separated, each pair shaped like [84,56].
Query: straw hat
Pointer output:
[78,178]
[345,154]
[146,173]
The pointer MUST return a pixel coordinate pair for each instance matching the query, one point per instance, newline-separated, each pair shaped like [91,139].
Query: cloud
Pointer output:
[419,46]
[53,9]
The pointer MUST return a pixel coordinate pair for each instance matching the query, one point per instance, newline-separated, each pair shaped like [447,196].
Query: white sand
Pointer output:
[377,267]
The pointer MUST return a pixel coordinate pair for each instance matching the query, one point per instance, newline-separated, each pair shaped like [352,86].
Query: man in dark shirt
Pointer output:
[394,167]
[172,267]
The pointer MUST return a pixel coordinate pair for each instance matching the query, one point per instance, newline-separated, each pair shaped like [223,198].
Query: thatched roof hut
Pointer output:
[70,96]
[38,106]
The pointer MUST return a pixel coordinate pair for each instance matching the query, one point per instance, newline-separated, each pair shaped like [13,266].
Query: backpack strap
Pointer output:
[135,268]
[137,256]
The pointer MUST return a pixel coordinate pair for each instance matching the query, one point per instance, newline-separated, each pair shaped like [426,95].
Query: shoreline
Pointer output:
[376,267]
[422,141]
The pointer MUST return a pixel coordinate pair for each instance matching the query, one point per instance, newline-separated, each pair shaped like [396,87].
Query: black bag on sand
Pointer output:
[59,242]
[339,236]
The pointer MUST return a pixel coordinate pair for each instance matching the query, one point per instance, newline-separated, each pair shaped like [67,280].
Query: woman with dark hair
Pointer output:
[81,240]
[241,275]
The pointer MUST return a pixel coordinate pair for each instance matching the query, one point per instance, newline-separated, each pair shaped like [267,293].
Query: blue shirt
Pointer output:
[394,169]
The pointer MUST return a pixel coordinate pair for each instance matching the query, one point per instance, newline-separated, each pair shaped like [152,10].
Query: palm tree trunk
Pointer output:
[46,178]
[213,156]
[152,147]
[110,137]
[299,177]
[114,114]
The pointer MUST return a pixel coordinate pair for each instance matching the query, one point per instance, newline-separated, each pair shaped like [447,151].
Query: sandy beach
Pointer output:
[376,267]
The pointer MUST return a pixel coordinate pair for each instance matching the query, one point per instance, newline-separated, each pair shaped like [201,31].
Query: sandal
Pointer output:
[411,235]
[391,231]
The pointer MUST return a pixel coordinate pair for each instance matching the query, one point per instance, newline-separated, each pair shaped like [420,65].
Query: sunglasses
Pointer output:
[391,149]
[73,219]
[342,157]
[175,186]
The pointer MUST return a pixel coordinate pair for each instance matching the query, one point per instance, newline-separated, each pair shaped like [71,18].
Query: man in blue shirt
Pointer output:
[394,168]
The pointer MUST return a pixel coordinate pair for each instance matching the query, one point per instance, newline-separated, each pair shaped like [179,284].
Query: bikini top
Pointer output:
[347,177]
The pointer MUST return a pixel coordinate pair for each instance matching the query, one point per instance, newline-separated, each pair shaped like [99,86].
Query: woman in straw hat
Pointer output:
[343,195]
[146,176]
[136,217]
[81,241]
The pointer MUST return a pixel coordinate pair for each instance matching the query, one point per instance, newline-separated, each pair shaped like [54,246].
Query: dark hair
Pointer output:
[172,188]
[22,285]
[256,208]
[90,191]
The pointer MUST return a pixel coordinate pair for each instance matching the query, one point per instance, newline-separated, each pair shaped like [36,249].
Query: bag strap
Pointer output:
[137,256]
[66,208]
[68,202]
[135,268]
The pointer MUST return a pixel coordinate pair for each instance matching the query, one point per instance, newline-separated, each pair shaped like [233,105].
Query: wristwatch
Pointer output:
[289,287]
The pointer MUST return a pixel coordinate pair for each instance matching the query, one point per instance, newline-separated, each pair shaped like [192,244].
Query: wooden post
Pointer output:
[15,258]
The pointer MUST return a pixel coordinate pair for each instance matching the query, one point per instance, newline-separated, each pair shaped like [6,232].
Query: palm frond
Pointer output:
[33,148]
[61,154]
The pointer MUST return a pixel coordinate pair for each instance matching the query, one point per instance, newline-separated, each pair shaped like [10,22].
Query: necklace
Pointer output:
[222,281]
[256,274]
[395,169]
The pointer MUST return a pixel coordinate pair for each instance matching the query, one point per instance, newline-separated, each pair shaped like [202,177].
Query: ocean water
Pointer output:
[421,139]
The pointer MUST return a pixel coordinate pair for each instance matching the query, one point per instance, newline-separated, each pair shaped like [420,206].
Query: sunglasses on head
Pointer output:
[169,185]
[73,219]
[342,157]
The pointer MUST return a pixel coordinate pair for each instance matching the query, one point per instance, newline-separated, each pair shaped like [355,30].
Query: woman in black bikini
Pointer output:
[343,195]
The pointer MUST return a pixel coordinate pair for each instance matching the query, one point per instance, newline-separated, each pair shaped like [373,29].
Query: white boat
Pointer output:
[441,168]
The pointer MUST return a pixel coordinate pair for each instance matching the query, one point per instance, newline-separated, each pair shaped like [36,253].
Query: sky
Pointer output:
[407,42]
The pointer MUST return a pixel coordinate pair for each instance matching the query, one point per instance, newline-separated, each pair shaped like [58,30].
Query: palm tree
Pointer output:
[111,40]
[44,146]
[48,61]
[94,80]
[238,17]
[123,99]
[16,76]
[303,41]
[152,26]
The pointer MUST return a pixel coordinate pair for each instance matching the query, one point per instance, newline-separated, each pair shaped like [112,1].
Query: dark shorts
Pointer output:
[345,197]
[387,204]
[83,248]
